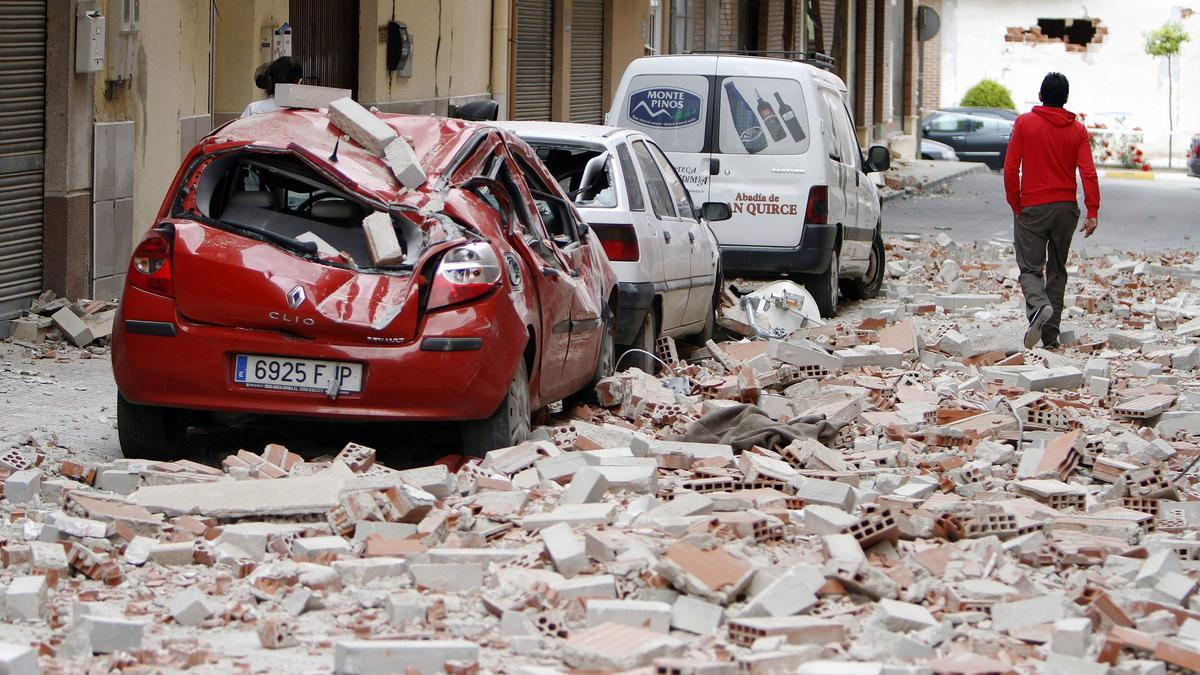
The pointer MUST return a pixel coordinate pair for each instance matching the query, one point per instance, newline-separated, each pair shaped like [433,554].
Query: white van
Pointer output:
[774,139]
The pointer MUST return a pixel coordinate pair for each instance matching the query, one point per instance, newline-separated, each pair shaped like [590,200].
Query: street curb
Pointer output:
[1139,175]
[966,169]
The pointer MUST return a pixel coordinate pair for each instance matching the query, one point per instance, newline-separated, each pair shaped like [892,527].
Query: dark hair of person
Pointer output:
[1055,89]
[283,70]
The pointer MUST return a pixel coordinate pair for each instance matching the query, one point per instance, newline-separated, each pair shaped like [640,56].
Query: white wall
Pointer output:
[1114,76]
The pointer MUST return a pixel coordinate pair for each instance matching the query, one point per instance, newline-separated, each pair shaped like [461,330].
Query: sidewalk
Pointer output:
[911,176]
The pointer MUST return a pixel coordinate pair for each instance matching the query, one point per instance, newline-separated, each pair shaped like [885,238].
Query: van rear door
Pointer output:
[672,109]
[761,140]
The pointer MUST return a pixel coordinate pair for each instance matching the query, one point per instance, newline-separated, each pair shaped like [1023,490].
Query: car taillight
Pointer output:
[465,273]
[619,241]
[816,212]
[150,266]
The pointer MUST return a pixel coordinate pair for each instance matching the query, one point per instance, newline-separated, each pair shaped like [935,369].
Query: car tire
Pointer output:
[646,338]
[871,283]
[508,426]
[149,432]
[606,360]
[824,287]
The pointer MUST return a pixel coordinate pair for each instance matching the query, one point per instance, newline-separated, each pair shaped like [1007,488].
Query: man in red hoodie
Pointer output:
[1047,146]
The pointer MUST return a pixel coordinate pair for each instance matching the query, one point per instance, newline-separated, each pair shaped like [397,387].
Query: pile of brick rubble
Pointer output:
[976,509]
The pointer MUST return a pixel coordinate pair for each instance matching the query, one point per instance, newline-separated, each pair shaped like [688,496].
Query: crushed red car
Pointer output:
[289,273]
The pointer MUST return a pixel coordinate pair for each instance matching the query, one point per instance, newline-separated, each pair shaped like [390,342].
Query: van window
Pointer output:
[829,136]
[671,109]
[679,194]
[660,196]
[636,201]
[851,154]
[763,115]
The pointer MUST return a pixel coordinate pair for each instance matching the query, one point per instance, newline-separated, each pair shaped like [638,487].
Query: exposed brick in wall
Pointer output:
[1034,35]
[729,25]
[828,12]
[696,16]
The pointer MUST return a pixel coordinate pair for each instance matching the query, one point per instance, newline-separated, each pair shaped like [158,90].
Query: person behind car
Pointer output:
[283,70]
[1047,147]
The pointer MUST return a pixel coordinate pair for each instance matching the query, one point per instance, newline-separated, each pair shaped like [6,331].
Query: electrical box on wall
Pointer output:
[89,42]
[276,42]
[121,28]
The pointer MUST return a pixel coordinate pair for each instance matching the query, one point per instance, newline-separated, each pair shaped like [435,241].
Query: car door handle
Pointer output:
[691,237]
[958,138]
[667,236]
[714,166]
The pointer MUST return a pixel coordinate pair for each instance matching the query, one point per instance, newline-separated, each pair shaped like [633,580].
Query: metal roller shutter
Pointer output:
[534,71]
[587,61]
[22,143]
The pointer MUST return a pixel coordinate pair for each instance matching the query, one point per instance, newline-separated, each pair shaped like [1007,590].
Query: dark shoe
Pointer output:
[1039,319]
[1053,345]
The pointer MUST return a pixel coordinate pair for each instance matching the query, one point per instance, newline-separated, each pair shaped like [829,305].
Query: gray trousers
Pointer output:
[1042,240]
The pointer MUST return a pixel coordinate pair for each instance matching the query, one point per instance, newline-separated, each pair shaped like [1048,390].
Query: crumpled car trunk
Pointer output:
[221,278]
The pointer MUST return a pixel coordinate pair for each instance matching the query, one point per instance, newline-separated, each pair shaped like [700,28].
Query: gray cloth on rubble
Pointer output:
[744,426]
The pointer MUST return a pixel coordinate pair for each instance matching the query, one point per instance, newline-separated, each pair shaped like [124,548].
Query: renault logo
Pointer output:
[295,297]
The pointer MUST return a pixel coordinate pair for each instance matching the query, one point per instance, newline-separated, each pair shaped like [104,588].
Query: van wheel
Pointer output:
[149,432]
[645,341]
[870,284]
[508,426]
[824,287]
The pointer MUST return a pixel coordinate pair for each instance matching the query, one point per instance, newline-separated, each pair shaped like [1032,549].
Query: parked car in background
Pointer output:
[665,256]
[998,113]
[774,139]
[931,149]
[974,137]
[258,290]
[1193,157]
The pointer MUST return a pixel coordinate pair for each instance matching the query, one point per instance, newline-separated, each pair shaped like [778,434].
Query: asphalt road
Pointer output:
[1150,215]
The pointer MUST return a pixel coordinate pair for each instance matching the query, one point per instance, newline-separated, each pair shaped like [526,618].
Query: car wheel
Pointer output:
[645,342]
[606,361]
[506,427]
[824,287]
[149,432]
[872,282]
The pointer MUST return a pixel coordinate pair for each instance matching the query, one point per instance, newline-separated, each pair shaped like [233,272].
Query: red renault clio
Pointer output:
[290,274]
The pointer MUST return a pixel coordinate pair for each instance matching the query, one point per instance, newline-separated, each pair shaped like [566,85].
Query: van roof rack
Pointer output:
[814,58]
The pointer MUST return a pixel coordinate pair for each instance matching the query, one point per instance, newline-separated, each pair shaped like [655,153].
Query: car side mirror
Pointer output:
[715,211]
[878,159]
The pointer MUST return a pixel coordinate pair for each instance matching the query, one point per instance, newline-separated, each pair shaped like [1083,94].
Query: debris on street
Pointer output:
[901,489]
[80,323]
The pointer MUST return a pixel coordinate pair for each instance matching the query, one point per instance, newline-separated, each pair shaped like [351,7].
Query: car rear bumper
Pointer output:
[637,297]
[1194,167]
[810,257]
[459,369]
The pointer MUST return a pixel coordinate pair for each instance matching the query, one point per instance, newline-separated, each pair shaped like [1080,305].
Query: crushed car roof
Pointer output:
[435,141]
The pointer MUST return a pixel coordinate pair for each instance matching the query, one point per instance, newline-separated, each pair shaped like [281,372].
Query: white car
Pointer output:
[665,256]
[774,139]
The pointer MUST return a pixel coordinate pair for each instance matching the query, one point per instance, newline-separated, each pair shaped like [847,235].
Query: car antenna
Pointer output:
[333,157]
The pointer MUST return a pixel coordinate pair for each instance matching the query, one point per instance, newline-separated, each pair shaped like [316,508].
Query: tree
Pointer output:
[989,94]
[1167,41]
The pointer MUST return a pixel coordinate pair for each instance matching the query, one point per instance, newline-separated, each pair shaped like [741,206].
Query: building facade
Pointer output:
[88,149]
[1099,47]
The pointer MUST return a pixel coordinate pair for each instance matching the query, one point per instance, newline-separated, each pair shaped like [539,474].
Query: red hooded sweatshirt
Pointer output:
[1047,146]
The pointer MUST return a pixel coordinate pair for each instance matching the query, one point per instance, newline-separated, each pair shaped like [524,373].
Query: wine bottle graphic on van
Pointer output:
[769,118]
[745,121]
[789,118]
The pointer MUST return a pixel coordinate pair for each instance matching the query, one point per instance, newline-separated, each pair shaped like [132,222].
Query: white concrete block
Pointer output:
[903,616]
[22,486]
[450,577]
[25,598]
[191,607]
[587,486]
[426,657]
[382,242]
[565,548]
[655,616]
[18,660]
[361,125]
[696,616]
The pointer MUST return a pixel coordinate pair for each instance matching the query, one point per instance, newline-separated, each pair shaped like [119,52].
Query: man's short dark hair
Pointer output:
[1055,89]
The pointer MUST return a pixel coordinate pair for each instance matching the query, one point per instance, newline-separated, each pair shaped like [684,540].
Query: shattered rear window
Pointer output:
[288,203]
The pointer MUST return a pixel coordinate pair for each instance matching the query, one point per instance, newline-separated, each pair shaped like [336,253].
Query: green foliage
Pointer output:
[989,94]
[1166,41]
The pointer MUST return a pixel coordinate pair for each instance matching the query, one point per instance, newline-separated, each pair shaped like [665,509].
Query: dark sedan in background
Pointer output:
[1193,157]
[980,135]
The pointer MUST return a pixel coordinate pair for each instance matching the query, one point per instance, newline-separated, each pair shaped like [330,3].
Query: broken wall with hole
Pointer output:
[1109,73]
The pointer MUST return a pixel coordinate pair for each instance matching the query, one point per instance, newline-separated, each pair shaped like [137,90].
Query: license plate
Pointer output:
[273,372]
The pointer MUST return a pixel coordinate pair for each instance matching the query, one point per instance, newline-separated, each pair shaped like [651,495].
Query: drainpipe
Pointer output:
[501,16]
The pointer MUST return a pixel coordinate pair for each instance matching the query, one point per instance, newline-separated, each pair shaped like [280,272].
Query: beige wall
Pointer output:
[239,25]
[628,36]
[452,50]
[170,80]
